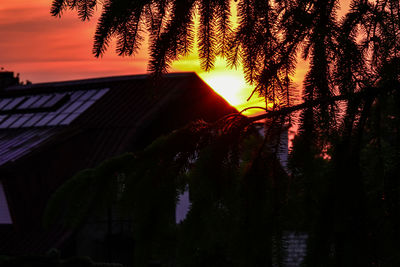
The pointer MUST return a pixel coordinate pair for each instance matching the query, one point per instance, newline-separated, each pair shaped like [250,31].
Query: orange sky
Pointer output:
[43,48]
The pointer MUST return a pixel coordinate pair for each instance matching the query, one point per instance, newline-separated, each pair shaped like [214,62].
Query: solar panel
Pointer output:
[48,109]
[41,101]
[70,118]
[76,95]
[29,102]
[59,118]
[33,120]
[54,100]
[18,123]
[99,94]
[4,102]
[19,142]
[13,103]
[87,95]
[2,117]
[73,106]
[84,106]
[7,122]
[46,118]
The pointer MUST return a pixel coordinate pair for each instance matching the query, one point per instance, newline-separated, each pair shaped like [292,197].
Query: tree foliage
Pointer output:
[343,188]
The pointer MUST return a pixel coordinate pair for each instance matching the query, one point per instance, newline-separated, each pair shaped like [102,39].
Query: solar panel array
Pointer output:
[51,109]
[19,142]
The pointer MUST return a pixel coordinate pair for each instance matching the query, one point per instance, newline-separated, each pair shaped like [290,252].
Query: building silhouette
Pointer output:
[50,131]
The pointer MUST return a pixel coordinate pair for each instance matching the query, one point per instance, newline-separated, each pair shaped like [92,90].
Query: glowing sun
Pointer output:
[231,85]
[227,85]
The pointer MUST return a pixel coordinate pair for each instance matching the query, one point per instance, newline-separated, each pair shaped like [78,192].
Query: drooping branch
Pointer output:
[367,93]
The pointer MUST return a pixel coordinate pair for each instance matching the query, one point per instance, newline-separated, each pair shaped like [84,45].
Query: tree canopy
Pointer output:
[343,185]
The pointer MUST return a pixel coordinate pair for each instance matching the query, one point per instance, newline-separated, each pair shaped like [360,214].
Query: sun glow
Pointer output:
[228,85]
[231,85]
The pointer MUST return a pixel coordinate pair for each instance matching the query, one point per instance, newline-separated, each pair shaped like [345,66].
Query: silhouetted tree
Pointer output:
[343,188]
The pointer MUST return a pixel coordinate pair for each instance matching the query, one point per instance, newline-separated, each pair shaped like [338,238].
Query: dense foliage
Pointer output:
[343,185]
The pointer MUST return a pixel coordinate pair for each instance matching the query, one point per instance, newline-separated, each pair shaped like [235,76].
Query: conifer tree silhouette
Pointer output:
[343,187]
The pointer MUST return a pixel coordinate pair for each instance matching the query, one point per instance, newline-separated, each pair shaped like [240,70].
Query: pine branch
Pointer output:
[105,29]
[167,47]
[367,93]
[86,9]
[130,37]
[224,27]
[207,35]
[57,7]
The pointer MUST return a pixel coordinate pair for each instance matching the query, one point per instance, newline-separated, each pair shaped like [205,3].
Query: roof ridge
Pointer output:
[95,80]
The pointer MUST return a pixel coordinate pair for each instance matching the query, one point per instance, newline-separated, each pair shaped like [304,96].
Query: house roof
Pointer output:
[49,131]
[31,115]
[28,120]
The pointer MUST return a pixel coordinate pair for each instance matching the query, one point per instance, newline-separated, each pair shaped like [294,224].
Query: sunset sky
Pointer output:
[43,48]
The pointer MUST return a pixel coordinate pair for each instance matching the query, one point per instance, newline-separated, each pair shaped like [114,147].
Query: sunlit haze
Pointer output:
[43,49]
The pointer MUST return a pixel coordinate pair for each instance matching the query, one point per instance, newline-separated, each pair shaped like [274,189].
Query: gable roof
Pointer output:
[32,115]
[49,131]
